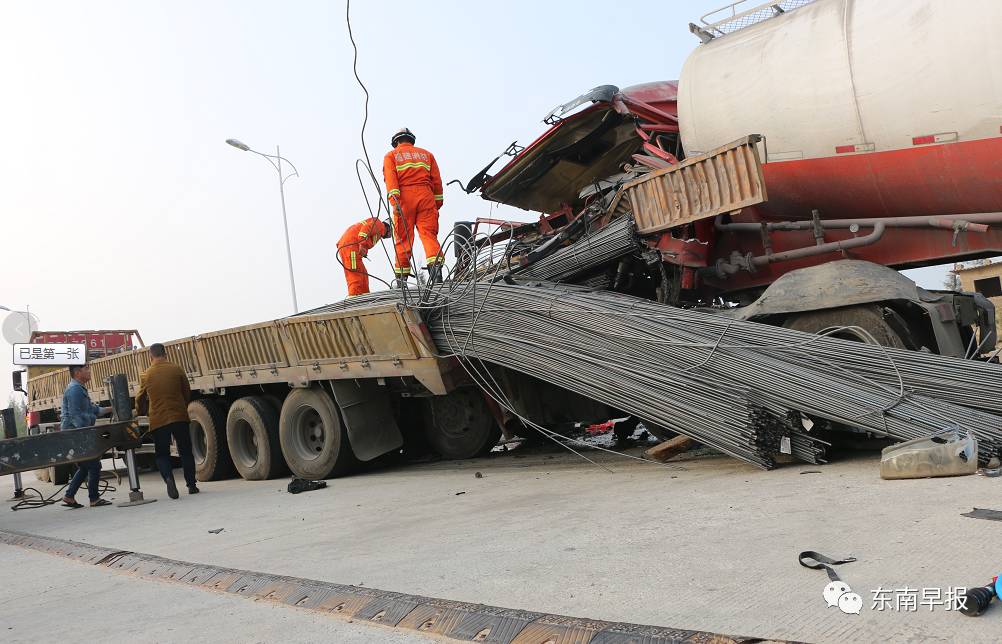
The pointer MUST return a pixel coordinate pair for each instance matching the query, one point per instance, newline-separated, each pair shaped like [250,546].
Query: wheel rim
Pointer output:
[198,445]
[308,435]
[459,431]
[243,444]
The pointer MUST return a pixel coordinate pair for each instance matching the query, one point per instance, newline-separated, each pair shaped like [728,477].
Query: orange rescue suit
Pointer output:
[352,247]
[412,180]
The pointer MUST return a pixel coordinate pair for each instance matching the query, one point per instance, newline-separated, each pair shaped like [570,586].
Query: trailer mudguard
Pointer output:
[368,417]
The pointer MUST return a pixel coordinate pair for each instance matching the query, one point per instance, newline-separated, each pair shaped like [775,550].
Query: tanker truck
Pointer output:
[852,138]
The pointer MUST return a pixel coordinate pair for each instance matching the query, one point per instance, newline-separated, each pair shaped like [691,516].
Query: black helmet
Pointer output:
[404,134]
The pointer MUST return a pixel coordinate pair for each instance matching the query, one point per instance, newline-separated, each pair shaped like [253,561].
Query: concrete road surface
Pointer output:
[51,599]
[712,546]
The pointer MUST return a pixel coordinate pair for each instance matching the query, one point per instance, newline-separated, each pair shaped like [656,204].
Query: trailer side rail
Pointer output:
[377,342]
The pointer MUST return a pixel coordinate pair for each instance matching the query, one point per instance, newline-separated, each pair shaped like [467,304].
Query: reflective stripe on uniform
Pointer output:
[436,260]
[393,193]
[439,197]
[354,262]
[363,234]
[402,271]
[407,166]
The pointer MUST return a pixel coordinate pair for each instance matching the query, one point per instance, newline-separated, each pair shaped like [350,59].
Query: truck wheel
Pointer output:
[208,440]
[313,438]
[867,317]
[252,435]
[459,425]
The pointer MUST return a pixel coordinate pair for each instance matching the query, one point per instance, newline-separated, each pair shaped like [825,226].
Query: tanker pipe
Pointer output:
[974,222]
[830,247]
[748,262]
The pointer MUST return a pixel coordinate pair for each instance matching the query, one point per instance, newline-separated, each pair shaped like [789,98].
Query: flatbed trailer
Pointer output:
[315,393]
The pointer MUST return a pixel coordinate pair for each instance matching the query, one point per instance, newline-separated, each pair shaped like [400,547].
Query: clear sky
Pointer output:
[122,207]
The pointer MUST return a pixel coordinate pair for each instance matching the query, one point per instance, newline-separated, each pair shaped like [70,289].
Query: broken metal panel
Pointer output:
[600,94]
[723,180]
[587,146]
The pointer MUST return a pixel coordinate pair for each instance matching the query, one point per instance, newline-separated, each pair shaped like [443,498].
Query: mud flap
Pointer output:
[368,417]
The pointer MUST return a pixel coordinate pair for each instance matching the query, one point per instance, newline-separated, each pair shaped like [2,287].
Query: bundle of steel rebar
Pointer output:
[594,248]
[634,354]
[703,375]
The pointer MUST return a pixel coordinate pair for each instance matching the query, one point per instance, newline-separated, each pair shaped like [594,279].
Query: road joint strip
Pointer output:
[457,621]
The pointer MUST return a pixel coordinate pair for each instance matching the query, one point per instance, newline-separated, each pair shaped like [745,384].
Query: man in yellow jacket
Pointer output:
[164,392]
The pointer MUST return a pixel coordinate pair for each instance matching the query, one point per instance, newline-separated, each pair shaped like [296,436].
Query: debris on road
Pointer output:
[669,449]
[983,513]
[297,485]
[992,469]
[216,531]
[945,454]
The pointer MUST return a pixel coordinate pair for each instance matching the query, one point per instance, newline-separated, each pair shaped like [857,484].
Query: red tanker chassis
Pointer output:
[893,209]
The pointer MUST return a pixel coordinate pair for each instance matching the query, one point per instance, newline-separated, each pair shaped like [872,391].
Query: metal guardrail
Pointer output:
[729,19]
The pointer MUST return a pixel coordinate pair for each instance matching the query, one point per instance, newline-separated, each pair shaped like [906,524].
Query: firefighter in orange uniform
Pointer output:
[354,245]
[414,188]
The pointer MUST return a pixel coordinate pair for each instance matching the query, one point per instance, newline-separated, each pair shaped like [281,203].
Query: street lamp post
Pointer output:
[276,161]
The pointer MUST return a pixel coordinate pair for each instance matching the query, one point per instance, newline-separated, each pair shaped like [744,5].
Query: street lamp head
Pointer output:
[240,145]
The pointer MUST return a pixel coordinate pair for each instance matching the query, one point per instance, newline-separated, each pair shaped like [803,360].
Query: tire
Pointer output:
[313,438]
[208,440]
[459,425]
[252,436]
[276,403]
[868,317]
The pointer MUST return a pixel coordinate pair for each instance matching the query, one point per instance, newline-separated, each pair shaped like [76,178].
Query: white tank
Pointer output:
[849,76]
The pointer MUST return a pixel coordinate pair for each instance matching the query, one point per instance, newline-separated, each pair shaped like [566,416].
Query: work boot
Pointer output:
[434,273]
[172,489]
[193,489]
[400,282]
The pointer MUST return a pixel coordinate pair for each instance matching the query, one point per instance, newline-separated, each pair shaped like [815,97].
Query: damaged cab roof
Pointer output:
[582,147]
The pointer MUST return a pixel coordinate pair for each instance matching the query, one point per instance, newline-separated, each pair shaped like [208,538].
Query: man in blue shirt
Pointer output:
[78,411]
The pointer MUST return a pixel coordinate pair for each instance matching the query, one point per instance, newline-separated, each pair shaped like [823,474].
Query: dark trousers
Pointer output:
[182,438]
[92,471]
